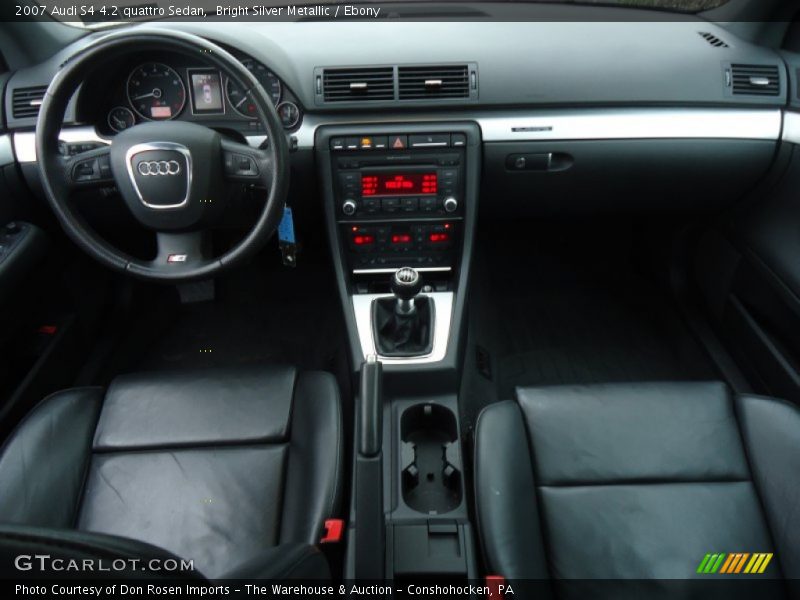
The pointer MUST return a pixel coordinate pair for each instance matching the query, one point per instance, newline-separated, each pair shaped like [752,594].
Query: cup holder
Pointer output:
[430,461]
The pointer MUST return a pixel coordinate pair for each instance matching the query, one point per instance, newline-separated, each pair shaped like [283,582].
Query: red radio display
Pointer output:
[398,184]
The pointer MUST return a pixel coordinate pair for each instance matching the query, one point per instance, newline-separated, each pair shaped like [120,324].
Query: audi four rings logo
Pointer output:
[159,167]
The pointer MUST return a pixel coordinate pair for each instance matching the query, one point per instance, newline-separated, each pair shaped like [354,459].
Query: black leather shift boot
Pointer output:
[402,335]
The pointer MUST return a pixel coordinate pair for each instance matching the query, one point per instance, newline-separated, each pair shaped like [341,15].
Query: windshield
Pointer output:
[98,13]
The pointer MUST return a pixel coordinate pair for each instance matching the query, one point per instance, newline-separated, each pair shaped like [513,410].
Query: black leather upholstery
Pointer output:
[216,467]
[636,481]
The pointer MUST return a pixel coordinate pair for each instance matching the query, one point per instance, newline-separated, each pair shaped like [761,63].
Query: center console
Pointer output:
[400,206]
[401,196]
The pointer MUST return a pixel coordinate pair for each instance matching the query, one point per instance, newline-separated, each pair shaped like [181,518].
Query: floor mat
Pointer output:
[576,309]
[290,316]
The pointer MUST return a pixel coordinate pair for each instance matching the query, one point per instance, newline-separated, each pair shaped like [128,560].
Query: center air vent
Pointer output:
[355,85]
[755,80]
[433,82]
[26,102]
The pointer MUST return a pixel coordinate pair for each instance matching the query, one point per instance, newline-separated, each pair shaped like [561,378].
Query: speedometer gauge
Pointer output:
[156,91]
[240,101]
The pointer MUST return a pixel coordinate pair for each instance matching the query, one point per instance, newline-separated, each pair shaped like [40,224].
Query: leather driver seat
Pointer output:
[218,467]
[638,482]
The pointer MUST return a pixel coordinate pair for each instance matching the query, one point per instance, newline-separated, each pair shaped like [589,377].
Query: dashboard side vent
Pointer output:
[433,82]
[358,84]
[26,102]
[755,80]
[713,40]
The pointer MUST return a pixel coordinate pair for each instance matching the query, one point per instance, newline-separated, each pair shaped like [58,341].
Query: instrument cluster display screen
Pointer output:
[206,92]
[398,184]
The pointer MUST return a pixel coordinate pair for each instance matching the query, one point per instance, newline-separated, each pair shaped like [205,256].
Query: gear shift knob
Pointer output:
[406,285]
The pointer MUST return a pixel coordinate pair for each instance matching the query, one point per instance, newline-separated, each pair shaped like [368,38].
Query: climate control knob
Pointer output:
[450,204]
[349,207]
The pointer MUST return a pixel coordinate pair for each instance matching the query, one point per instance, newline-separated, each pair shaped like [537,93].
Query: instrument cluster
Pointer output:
[166,88]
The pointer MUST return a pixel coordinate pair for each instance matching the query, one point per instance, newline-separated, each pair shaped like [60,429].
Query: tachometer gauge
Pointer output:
[120,118]
[156,92]
[289,114]
[240,102]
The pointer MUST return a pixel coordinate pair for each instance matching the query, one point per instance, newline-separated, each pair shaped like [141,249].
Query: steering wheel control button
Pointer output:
[240,165]
[92,169]
[161,173]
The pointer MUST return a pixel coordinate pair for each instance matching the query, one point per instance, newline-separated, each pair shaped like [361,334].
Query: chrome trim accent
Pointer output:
[25,141]
[134,150]
[582,124]
[6,150]
[420,269]
[791,127]
[576,124]
[645,123]
[443,312]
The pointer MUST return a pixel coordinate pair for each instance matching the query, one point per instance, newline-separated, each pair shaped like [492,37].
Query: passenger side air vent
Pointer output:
[357,85]
[26,102]
[713,40]
[754,80]
[433,82]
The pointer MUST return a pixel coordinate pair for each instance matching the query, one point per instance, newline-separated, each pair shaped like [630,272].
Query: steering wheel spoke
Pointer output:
[245,164]
[91,169]
[182,249]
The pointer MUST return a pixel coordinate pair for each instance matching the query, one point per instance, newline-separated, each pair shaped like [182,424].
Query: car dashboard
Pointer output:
[411,144]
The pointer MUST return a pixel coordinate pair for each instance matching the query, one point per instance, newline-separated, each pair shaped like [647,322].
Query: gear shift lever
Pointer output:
[403,325]
[406,285]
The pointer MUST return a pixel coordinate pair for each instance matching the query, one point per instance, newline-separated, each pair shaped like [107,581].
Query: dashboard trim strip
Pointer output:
[791,127]
[627,124]
[6,151]
[545,125]
[25,141]
[584,124]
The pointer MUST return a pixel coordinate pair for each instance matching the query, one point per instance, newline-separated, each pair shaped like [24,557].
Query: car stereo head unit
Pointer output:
[377,177]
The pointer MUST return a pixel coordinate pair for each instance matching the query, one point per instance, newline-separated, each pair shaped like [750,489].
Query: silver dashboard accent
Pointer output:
[138,148]
[420,269]
[443,312]
[25,141]
[583,124]
[547,125]
[791,127]
[645,123]
[6,151]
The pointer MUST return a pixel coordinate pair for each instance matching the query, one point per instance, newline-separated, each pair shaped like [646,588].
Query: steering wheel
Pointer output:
[174,176]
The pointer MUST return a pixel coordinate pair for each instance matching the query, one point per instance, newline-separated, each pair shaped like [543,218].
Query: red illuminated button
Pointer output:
[361,240]
[439,237]
[401,238]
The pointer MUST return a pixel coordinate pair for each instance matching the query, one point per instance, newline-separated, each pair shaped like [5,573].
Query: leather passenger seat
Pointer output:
[234,469]
[637,481]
